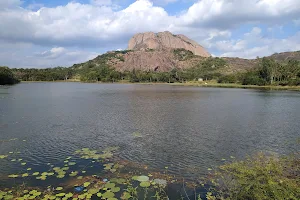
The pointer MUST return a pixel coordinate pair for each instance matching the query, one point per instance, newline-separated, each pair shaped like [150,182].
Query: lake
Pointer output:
[187,129]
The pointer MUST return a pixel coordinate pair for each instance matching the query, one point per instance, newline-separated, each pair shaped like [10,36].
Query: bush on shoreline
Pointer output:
[261,177]
[7,77]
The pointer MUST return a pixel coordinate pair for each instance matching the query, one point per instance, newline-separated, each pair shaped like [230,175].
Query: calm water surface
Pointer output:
[184,128]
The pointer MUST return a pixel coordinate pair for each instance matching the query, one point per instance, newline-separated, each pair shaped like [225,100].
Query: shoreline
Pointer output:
[194,84]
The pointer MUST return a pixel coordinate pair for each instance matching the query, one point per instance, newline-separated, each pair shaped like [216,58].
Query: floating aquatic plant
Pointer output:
[86,184]
[145,184]
[142,178]
[108,195]
[13,176]
[3,156]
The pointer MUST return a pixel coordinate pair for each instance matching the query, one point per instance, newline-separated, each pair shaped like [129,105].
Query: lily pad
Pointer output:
[13,176]
[108,194]
[142,178]
[86,184]
[115,189]
[110,185]
[3,156]
[99,194]
[71,163]
[69,195]
[145,184]
[61,194]
[126,195]
[59,188]
[93,191]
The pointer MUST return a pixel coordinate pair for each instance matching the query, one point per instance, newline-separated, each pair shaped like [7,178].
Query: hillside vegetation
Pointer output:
[285,70]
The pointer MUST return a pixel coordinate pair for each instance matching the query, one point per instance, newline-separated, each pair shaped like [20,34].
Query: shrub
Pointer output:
[7,77]
[260,178]
[227,79]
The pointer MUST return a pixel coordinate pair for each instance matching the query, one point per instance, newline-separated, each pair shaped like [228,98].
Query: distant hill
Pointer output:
[285,56]
[165,51]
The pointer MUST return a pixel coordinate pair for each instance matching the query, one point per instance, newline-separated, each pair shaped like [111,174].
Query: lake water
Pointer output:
[188,129]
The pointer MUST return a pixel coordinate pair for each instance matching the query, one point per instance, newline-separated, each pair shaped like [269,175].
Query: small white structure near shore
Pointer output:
[200,79]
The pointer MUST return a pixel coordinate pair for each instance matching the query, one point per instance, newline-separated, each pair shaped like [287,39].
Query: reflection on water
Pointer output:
[180,127]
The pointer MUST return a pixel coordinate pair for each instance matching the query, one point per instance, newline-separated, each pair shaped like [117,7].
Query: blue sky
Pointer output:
[49,33]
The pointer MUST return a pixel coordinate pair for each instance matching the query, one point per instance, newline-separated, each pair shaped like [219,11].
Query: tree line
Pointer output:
[7,77]
[267,72]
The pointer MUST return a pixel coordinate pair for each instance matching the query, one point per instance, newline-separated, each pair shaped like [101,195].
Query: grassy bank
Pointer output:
[196,84]
[234,85]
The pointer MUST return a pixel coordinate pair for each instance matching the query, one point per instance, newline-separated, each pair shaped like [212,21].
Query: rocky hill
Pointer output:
[164,51]
[165,41]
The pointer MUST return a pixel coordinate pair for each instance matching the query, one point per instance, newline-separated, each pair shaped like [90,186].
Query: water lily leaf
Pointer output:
[126,195]
[13,176]
[3,156]
[115,189]
[118,180]
[59,188]
[20,159]
[83,172]
[24,163]
[145,184]
[135,178]
[13,160]
[137,134]
[60,176]
[25,175]
[71,163]
[28,169]
[86,184]
[82,196]
[143,178]
[99,194]
[108,194]
[93,191]
[80,177]
[73,173]
[69,195]
[209,169]
[110,185]
[65,168]
[35,173]
[61,194]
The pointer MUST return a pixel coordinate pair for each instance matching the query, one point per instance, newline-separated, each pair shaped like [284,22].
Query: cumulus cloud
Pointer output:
[230,13]
[99,25]
[78,24]
[263,46]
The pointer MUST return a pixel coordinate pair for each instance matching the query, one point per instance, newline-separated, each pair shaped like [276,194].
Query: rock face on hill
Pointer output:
[163,41]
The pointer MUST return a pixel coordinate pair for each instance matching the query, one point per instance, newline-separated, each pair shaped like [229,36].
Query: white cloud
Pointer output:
[230,13]
[4,4]
[99,25]
[253,45]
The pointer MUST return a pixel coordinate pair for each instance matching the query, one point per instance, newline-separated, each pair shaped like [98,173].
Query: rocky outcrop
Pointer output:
[164,41]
